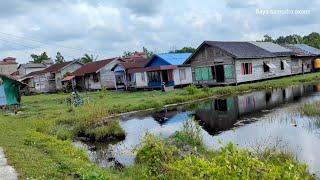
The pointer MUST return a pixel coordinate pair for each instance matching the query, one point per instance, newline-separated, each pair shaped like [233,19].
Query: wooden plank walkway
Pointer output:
[6,172]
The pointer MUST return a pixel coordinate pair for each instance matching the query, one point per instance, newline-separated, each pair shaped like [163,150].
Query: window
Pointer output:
[154,76]
[266,67]
[246,68]
[143,77]
[182,73]
[203,74]
[95,78]
[281,65]
[308,66]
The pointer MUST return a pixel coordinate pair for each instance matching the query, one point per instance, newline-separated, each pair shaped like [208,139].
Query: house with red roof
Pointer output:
[129,71]
[8,66]
[93,76]
[50,78]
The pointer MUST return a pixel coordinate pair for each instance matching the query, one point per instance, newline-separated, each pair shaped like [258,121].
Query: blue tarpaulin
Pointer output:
[3,100]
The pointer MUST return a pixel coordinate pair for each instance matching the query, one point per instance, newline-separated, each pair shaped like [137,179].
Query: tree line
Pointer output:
[312,39]
[43,57]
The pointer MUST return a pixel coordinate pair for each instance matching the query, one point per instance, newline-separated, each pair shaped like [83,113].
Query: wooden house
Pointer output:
[168,68]
[9,91]
[94,75]
[8,66]
[129,72]
[30,67]
[50,79]
[304,58]
[218,63]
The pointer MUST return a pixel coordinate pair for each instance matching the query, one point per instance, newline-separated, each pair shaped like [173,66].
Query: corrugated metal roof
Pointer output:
[307,48]
[297,51]
[273,48]
[241,50]
[174,58]
[92,67]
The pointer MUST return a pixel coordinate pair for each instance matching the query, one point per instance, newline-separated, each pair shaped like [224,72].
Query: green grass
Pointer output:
[311,109]
[37,138]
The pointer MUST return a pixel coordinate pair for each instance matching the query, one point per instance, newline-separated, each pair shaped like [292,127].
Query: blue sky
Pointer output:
[107,28]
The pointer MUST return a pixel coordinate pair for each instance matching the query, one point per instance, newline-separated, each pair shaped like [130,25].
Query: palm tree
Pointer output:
[88,58]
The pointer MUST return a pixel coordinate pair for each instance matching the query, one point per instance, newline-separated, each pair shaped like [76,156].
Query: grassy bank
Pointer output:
[183,156]
[38,139]
[311,109]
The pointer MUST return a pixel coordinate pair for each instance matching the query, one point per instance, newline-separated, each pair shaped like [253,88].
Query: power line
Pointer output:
[50,43]
[10,42]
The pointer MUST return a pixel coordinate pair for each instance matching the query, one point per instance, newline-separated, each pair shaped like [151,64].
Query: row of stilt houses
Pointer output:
[213,63]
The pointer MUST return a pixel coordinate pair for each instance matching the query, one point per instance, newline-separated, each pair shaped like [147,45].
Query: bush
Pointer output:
[108,131]
[189,135]
[192,89]
[233,163]
[155,153]
[161,159]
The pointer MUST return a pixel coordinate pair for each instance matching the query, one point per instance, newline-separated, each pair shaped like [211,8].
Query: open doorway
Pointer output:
[220,73]
[165,77]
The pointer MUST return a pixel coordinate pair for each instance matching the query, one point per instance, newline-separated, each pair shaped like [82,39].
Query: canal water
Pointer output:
[253,120]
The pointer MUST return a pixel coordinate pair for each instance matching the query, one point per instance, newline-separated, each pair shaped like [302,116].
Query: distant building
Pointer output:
[168,69]
[161,69]
[24,69]
[8,66]
[93,76]
[127,71]
[50,79]
[303,57]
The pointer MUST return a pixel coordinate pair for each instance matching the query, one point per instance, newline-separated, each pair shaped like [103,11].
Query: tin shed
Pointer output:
[9,91]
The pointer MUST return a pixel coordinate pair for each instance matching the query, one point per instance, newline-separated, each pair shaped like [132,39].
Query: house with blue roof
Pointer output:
[168,69]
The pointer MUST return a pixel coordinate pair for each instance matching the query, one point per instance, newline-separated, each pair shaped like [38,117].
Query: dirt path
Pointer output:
[6,172]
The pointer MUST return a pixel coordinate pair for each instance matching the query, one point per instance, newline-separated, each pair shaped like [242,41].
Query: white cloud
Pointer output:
[110,27]
[148,22]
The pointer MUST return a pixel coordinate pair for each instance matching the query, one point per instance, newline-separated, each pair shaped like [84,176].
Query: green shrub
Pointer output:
[189,135]
[64,133]
[111,129]
[192,89]
[155,153]
[233,163]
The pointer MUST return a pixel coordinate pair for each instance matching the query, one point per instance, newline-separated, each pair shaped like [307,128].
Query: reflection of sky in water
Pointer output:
[273,127]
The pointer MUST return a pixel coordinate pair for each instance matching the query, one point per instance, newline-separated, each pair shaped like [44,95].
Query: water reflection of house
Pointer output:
[221,114]
[218,115]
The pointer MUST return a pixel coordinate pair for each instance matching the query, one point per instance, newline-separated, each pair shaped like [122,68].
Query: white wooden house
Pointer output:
[221,62]
[94,75]
[50,79]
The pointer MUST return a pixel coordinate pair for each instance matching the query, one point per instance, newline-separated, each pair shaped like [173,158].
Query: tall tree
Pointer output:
[184,50]
[291,39]
[131,53]
[313,39]
[40,58]
[267,38]
[149,53]
[128,53]
[88,58]
[59,58]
